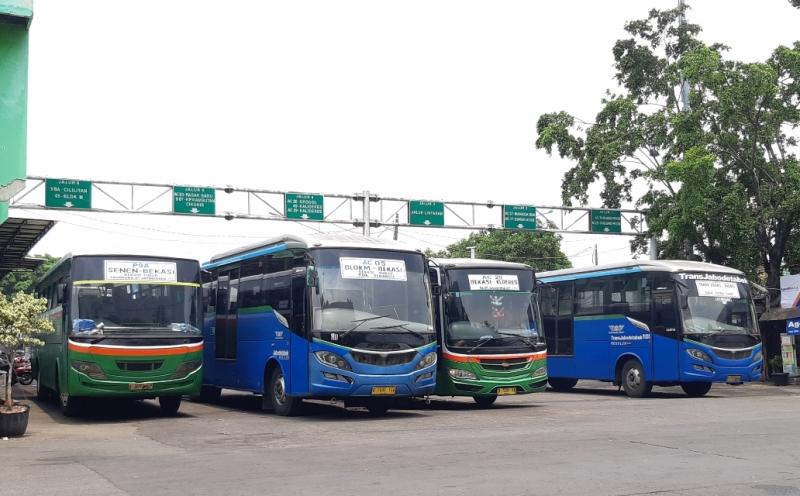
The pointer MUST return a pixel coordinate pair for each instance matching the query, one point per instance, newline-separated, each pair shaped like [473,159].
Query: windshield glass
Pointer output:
[486,310]
[716,304]
[371,299]
[109,308]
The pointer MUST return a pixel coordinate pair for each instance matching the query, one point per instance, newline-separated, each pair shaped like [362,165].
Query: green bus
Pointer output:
[489,329]
[126,327]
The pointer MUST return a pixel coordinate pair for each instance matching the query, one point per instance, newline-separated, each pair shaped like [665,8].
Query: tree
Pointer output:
[720,174]
[540,250]
[25,280]
[20,322]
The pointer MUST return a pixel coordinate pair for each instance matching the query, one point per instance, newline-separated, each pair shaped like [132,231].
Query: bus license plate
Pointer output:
[501,391]
[734,379]
[140,386]
[383,390]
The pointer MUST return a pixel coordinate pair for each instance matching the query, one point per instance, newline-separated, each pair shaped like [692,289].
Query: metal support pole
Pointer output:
[472,253]
[366,214]
[652,248]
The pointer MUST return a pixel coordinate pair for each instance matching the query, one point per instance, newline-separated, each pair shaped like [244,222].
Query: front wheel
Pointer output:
[562,384]
[633,380]
[169,405]
[695,389]
[282,403]
[25,379]
[485,401]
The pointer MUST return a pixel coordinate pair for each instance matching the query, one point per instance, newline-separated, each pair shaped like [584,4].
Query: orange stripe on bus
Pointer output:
[106,351]
[478,358]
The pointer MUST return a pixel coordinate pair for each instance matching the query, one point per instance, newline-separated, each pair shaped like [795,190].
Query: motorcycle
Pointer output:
[23,370]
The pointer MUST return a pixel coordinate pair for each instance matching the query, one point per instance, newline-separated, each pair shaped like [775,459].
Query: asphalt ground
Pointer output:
[592,441]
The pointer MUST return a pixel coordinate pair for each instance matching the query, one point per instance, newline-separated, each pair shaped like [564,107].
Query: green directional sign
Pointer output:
[425,213]
[519,217]
[303,206]
[67,193]
[194,201]
[605,221]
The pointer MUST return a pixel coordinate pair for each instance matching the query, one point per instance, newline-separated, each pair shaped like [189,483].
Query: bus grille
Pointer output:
[383,359]
[140,366]
[504,365]
[732,354]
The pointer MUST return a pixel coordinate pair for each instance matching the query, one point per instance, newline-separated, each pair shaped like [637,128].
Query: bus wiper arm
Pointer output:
[524,339]
[359,322]
[403,327]
[481,343]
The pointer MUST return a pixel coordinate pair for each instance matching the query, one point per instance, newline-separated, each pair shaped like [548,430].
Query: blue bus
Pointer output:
[328,316]
[650,323]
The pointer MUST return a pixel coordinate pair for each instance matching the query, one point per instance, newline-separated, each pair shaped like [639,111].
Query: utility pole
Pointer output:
[595,260]
[684,83]
[396,227]
[472,252]
[366,214]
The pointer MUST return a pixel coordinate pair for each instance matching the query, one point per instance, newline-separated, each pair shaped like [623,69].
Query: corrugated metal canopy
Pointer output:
[17,237]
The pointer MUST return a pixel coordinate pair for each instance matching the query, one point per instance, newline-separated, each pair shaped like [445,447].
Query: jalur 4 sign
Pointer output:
[303,206]
[194,201]
[68,193]
[425,213]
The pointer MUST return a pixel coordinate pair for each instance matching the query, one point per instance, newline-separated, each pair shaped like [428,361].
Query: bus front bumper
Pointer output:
[82,385]
[711,372]
[340,384]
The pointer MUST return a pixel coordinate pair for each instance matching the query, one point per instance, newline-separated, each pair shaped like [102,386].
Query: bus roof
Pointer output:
[478,263]
[289,241]
[636,266]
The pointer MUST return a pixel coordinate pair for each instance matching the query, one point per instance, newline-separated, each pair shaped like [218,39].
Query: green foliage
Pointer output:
[24,281]
[21,320]
[719,176]
[540,250]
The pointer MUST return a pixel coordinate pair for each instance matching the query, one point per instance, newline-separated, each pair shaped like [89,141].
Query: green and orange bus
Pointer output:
[489,329]
[126,327]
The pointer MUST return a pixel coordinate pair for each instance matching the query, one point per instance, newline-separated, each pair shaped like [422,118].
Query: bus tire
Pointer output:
[562,384]
[377,408]
[485,401]
[208,394]
[42,393]
[169,405]
[69,405]
[695,389]
[633,380]
[282,403]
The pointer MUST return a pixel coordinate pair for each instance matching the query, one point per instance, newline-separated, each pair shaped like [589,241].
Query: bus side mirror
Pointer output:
[61,293]
[683,301]
[312,278]
[436,290]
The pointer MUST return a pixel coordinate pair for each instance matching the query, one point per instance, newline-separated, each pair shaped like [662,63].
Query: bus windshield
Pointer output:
[371,299]
[491,308]
[106,308]
[716,304]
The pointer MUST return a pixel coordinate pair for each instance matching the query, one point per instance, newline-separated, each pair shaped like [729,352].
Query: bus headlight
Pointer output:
[540,371]
[427,360]
[461,374]
[758,357]
[186,368]
[89,368]
[698,354]
[332,359]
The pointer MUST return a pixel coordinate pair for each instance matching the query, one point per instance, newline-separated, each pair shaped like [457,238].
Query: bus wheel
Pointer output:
[695,389]
[562,384]
[208,394]
[42,393]
[485,401]
[169,405]
[282,403]
[377,408]
[633,380]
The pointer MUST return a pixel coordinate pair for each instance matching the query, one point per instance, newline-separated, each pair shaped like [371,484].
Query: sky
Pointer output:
[414,99]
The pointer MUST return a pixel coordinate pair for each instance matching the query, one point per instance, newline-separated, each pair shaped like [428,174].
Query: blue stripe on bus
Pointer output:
[244,256]
[589,275]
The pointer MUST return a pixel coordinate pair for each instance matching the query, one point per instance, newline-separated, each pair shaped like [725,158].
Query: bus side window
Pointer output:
[592,296]
[663,319]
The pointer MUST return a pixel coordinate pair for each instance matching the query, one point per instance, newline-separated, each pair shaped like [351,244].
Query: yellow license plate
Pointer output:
[734,379]
[383,390]
[140,386]
[501,391]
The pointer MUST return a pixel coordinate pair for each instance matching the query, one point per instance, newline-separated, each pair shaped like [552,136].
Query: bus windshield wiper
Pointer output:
[403,327]
[482,342]
[359,322]
[522,338]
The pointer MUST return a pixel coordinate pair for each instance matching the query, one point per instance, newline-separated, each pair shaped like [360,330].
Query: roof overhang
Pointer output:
[17,237]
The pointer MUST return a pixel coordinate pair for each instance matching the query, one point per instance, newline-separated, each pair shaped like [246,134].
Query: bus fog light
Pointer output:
[461,374]
[424,376]
[540,371]
[427,360]
[186,368]
[332,359]
[337,377]
[758,357]
[89,368]
[698,354]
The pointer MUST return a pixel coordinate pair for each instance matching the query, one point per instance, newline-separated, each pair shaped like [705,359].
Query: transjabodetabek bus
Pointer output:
[489,329]
[329,316]
[647,323]
[127,326]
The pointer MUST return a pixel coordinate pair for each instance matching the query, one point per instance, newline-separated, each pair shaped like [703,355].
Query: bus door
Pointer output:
[665,340]
[299,325]
[225,342]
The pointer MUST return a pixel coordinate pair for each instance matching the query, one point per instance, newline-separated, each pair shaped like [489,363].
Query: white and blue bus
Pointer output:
[650,323]
[342,316]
